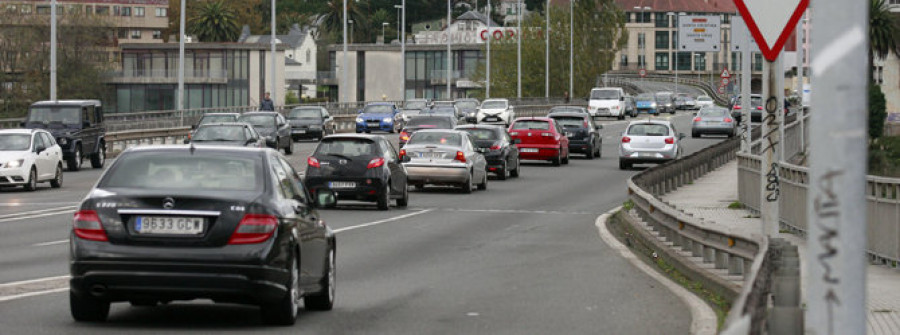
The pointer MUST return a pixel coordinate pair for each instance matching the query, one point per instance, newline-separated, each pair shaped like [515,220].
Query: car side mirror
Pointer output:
[250,141]
[681,136]
[325,198]
[38,150]
[405,159]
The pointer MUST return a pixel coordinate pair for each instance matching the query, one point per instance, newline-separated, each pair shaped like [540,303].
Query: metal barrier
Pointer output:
[720,99]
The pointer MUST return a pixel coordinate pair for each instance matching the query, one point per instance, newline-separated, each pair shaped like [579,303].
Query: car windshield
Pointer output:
[443,110]
[185,171]
[571,122]
[439,138]
[664,95]
[531,125]
[207,119]
[219,133]
[63,115]
[566,109]
[713,112]
[15,142]
[648,129]
[262,121]
[417,104]
[378,109]
[467,104]
[347,147]
[645,97]
[495,104]
[482,134]
[604,95]
[704,99]
[432,122]
[305,113]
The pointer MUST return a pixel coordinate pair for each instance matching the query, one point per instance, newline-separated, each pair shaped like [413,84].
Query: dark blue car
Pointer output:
[378,116]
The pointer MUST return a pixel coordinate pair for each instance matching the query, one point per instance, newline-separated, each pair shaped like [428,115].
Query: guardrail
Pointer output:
[755,259]
[706,87]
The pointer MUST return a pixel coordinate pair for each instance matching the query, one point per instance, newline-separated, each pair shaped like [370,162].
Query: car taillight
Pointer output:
[254,228]
[375,162]
[737,107]
[585,124]
[626,139]
[670,140]
[460,156]
[547,134]
[404,136]
[758,107]
[87,226]
[728,120]
[402,153]
[697,119]
[495,147]
[312,161]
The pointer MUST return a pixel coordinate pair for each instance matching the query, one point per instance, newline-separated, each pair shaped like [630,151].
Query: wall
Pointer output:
[255,76]
[383,76]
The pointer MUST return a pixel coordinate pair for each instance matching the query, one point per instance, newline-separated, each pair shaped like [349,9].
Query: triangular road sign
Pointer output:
[771,22]
[725,73]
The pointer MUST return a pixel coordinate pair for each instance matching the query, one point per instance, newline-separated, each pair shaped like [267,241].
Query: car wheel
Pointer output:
[599,149]
[621,117]
[404,201]
[503,174]
[515,173]
[483,185]
[565,160]
[31,185]
[324,300]
[87,309]
[58,179]
[624,165]
[590,152]
[74,163]
[98,159]
[385,197]
[467,186]
[289,149]
[556,161]
[284,312]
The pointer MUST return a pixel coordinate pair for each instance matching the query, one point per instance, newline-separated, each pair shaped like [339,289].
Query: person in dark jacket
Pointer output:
[266,104]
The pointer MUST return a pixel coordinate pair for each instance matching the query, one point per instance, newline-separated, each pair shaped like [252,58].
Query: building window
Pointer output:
[662,39]
[45,10]
[122,34]
[642,61]
[683,61]
[135,34]
[139,11]
[662,20]
[126,11]
[101,10]
[157,35]
[642,17]
[726,19]
[662,60]
[757,62]
[161,12]
[308,56]
[642,40]
[700,61]
[88,9]
[675,40]
[623,60]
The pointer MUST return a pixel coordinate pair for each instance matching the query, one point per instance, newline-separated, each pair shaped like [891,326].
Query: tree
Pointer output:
[247,12]
[599,32]
[883,31]
[877,112]
[215,21]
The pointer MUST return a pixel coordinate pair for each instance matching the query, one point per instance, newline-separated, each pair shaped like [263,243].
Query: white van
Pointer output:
[607,101]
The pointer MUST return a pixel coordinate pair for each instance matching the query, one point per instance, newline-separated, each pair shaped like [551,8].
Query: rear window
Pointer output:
[217,119]
[570,122]
[531,125]
[648,130]
[430,122]
[494,105]
[438,138]
[378,109]
[713,112]
[467,104]
[349,147]
[482,134]
[185,171]
[219,133]
[263,121]
[305,113]
[414,104]
[604,95]
[566,109]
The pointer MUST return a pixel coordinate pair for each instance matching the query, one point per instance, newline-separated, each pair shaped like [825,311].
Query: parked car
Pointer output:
[704,101]
[649,141]
[77,126]
[607,101]
[756,108]
[216,118]
[568,109]
[713,120]
[358,167]
[29,157]
[496,111]
[426,122]
[444,157]
[540,138]
[273,127]
[498,149]
[378,116]
[648,103]
[666,102]
[310,122]
[233,225]
[227,134]
[468,107]
[630,108]
[584,137]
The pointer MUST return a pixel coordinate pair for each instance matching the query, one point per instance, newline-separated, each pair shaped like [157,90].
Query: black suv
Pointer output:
[77,126]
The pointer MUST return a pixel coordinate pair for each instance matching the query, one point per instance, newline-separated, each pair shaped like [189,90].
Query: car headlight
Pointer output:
[15,163]
[653,105]
[359,120]
[387,120]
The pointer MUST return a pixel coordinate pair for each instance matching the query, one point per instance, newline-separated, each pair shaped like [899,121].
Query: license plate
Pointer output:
[646,154]
[341,184]
[490,119]
[532,150]
[168,225]
[300,131]
[430,155]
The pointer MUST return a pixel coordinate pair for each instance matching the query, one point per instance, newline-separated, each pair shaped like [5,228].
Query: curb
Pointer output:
[704,320]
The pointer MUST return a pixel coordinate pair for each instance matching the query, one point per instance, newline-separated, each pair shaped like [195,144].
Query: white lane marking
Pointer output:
[36,216]
[31,294]
[703,317]
[50,243]
[32,281]
[837,49]
[373,223]
[19,204]
[38,211]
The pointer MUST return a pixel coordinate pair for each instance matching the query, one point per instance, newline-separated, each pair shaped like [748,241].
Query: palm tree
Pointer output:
[332,20]
[214,22]
[883,29]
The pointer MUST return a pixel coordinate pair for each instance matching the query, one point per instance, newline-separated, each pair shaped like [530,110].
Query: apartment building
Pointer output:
[135,21]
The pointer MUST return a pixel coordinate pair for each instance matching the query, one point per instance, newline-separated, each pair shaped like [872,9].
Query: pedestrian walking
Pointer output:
[266,104]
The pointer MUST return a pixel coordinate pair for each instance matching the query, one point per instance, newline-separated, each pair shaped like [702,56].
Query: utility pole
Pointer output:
[547,55]
[746,78]
[53,50]
[836,205]
[487,81]
[519,49]
[449,58]
[342,92]
[571,49]
[181,57]
[272,70]
[772,118]
[403,46]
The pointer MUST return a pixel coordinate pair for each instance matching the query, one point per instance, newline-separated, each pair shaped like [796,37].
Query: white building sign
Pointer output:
[496,34]
[699,33]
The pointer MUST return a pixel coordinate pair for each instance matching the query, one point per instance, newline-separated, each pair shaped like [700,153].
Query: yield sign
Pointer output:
[725,73]
[771,22]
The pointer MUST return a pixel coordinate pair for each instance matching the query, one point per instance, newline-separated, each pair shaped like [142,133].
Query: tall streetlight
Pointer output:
[672,16]
[398,7]
[53,50]
[272,70]
[547,54]
[351,30]
[449,59]
[343,87]
[403,46]
[487,91]
[571,48]
[383,25]
[180,58]
[519,49]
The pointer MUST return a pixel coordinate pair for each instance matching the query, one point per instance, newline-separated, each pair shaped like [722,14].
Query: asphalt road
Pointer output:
[522,257]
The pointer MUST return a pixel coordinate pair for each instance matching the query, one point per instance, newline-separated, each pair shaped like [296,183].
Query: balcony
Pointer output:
[169,76]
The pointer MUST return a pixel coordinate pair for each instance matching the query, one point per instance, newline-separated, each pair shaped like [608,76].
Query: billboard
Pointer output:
[700,33]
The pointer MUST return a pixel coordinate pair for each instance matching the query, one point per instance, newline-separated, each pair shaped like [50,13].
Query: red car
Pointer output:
[541,139]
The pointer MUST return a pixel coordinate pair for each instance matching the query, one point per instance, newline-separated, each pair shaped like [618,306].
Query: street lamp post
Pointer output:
[547,55]
[398,7]
[343,87]
[673,17]
[519,49]
[351,30]
[272,70]
[449,56]
[571,48]
[403,47]
[180,101]
[487,90]
[383,25]
[53,50]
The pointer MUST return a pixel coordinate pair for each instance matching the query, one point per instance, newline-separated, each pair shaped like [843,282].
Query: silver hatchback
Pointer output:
[713,120]
[649,141]
[444,157]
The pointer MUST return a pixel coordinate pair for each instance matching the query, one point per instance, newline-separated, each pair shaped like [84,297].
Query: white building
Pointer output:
[300,57]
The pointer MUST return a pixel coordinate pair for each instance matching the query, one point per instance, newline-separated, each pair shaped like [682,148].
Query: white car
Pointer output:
[28,157]
[649,141]
[607,101]
[704,101]
[496,111]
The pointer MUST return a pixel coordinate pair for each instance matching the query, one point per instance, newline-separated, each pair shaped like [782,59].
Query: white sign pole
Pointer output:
[769,176]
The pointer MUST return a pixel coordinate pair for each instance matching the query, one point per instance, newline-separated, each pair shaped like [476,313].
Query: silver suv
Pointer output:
[649,141]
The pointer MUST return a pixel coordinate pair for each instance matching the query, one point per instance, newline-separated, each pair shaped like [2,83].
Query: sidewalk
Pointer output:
[709,197]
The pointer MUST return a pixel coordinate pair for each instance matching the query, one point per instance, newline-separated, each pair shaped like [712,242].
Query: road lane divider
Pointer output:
[33,287]
[39,211]
[44,244]
[19,218]
[374,223]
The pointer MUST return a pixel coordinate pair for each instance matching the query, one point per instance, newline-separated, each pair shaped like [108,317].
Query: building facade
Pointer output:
[135,21]
[300,51]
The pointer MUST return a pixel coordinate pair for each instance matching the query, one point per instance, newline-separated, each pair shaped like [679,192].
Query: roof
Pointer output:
[649,121]
[572,114]
[689,6]
[197,148]
[480,126]
[67,103]
[260,113]
[205,114]
[199,46]
[365,136]
[473,15]
[295,37]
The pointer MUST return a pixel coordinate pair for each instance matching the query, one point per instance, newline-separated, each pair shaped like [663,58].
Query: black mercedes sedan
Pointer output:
[498,149]
[234,225]
[226,134]
[310,122]
[358,167]
[584,136]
